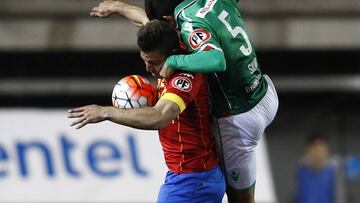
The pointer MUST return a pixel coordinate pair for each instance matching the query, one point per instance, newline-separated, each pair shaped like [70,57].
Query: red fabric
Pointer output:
[188,142]
[183,47]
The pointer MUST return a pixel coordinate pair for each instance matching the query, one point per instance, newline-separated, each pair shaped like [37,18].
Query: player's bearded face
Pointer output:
[154,61]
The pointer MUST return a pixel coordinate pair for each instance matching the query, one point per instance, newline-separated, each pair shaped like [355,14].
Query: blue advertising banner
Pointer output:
[43,159]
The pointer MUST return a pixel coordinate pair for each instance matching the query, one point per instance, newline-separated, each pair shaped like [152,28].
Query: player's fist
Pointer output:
[106,8]
[165,71]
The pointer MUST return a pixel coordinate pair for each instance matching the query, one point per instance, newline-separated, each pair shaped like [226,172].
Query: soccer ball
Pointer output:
[134,91]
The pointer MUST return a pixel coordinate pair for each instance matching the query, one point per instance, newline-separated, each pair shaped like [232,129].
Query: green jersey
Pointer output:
[216,34]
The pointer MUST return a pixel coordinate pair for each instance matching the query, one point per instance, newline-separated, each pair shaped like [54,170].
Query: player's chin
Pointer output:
[156,75]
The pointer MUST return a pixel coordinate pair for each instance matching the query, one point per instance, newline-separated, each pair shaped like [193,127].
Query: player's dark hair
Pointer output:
[156,9]
[158,36]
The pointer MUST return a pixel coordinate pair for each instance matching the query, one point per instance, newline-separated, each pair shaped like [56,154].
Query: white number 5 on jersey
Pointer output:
[235,31]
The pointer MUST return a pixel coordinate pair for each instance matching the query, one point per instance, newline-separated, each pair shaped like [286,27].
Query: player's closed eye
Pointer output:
[154,63]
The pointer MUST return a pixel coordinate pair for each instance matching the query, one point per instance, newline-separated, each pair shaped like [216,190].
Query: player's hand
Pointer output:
[86,114]
[106,8]
[165,71]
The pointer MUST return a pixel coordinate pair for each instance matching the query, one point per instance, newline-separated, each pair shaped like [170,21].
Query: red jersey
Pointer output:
[187,141]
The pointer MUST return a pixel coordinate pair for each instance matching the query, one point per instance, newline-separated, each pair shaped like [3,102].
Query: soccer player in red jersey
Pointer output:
[182,117]
[244,99]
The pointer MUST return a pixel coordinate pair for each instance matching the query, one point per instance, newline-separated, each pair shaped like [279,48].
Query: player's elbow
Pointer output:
[221,64]
[219,61]
[166,115]
[140,22]
[159,123]
[165,112]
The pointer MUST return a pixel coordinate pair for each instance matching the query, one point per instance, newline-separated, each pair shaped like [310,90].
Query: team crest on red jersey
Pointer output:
[198,37]
[182,83]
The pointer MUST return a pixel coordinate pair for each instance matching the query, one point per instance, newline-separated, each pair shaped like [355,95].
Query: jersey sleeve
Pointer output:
[182,88]
[207,55]
[198,37]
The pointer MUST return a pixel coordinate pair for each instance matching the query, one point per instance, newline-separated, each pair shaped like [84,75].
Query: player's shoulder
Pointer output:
[200,8]
[195,4]
[184,81]
[188,75]
[193,8]
[197,15]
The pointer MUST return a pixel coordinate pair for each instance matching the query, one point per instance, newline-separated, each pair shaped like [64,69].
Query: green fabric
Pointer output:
[218,25]
[203,61]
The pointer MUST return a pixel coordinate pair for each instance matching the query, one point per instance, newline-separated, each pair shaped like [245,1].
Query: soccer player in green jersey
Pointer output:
[244,101]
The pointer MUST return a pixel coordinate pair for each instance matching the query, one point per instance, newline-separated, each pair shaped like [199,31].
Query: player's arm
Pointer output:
[201,62]
[136,15]
[149,118]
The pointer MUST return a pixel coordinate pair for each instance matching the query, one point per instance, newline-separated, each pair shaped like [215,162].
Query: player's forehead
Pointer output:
[151,55]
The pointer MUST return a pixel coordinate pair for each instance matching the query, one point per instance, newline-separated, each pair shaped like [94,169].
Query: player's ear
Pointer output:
[170,20]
